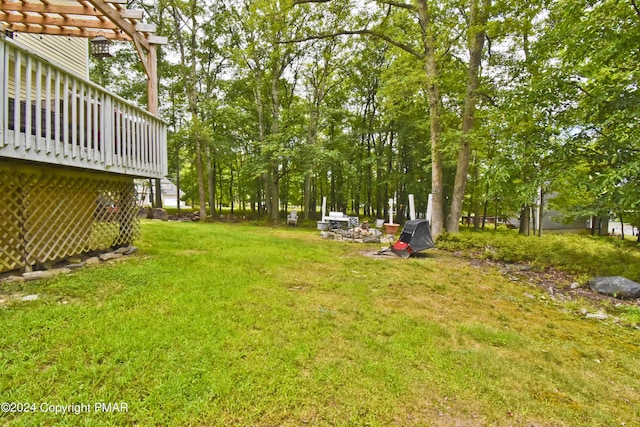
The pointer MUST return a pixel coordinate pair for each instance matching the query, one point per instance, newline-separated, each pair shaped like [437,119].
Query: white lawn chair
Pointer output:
[377,230]
[292,218]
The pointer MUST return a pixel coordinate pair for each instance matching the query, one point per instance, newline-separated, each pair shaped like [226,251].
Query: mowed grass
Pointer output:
[213,324]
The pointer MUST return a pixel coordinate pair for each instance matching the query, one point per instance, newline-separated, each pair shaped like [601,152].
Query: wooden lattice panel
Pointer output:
[47,214]
[11,231]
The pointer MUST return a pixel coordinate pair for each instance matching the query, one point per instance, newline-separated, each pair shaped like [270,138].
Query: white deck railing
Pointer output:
[50,115]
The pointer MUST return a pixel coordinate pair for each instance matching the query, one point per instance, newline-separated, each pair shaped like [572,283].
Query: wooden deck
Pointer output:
[52,116]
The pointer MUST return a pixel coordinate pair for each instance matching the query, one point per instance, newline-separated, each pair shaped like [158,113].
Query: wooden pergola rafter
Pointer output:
[89,19]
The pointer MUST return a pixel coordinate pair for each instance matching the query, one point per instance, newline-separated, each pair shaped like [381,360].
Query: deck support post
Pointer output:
[4,95]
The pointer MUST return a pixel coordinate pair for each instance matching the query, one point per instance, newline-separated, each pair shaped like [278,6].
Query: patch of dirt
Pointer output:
[380,254]
[385,253]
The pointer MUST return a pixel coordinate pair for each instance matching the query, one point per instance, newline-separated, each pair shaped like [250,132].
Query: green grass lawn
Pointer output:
[213,324]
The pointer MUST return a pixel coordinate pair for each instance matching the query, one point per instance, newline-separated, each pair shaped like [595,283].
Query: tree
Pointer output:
[432,41]
[259,28]
[594,90]
[319,76]
[299,108]
[196,36]
[476,34]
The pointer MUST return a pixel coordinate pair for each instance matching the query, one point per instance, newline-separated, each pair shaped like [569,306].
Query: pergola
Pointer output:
[89,19]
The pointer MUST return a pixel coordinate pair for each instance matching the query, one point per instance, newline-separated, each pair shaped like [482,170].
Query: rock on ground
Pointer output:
[145,213]
[616,286]
[161,214]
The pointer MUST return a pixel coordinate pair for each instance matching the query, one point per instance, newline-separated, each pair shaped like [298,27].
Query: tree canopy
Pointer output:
[482,103]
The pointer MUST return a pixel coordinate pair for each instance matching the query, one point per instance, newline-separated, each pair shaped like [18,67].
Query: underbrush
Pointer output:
[576,254]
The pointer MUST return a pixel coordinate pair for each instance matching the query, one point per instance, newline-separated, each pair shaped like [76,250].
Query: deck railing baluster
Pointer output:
[83,126]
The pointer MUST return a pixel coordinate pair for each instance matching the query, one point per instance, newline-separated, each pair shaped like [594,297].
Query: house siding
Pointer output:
[70,52]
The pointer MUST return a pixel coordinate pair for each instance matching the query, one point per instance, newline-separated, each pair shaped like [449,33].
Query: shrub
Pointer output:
[578,254]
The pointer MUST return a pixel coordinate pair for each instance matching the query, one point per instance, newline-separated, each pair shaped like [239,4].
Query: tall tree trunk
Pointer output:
[274,172]
[178,184]
[306,202]
[524,220]
[193,101]
[379,187]
[484,212]
[158,185]
[477,34]
[435,115]
[257,96]
[475,198]
[211,177]
[231,198]
[220,188]
[189,74]
[200,173]
[211,164]
[312,138]
[389,191]
[314,198]
[541,212]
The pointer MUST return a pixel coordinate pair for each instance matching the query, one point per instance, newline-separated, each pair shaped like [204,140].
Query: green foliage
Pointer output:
[599,61]
[586,256]
[288,101]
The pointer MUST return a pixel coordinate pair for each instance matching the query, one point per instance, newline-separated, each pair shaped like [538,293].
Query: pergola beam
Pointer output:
[80,16]
[75,9]
[89,19]
[69,32]
[123,24]
[65,10]
[131,14]
[62,21]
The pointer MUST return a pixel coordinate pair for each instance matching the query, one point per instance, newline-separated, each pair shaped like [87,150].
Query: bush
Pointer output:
[577,254]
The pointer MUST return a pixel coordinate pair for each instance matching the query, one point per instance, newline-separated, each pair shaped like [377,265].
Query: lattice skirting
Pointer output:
[47,214]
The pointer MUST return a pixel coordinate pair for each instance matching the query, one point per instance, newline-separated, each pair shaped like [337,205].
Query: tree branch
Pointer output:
[635,7]
[491,100]
[451,44]
[581,89]
[403,46]
[398,4]
[310,1]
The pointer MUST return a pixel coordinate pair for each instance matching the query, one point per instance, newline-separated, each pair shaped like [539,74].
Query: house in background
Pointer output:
[552,221]
[168,192]
[69,149]
[170,196]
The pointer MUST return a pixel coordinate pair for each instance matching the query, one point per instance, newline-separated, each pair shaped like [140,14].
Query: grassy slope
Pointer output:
[233,324]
